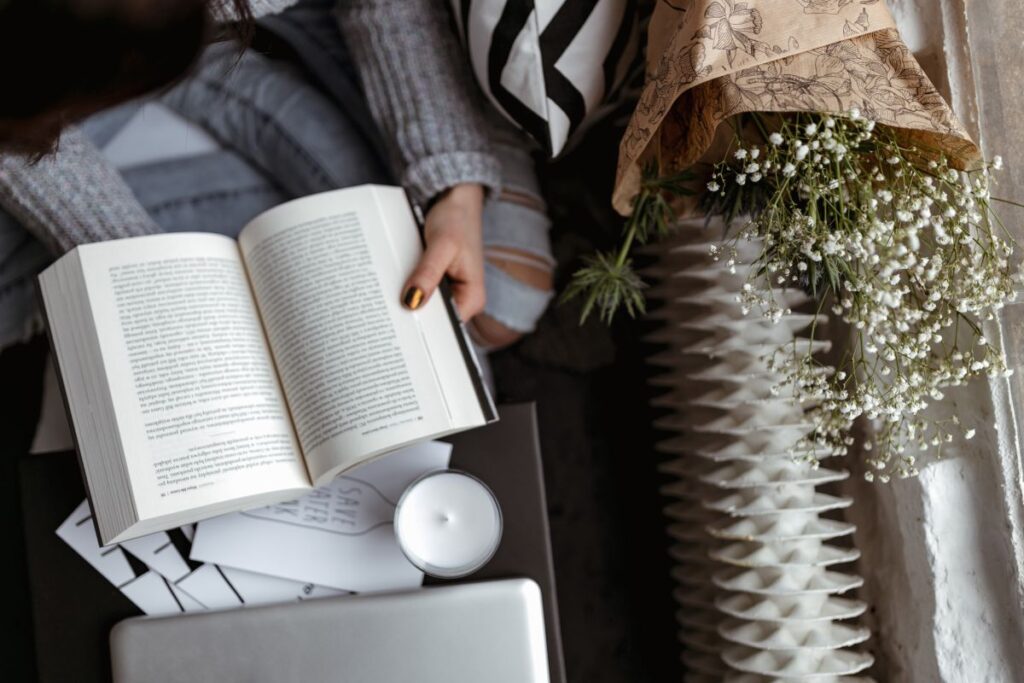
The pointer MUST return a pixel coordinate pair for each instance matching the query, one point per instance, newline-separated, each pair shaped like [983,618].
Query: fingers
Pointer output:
[453,234]
[466,273]
[469,295]
[438,256]
[467,280]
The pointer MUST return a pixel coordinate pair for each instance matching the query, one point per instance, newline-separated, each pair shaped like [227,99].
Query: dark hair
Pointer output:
[61,60]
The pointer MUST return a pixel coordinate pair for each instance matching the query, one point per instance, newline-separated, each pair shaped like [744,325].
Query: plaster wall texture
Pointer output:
[942,553]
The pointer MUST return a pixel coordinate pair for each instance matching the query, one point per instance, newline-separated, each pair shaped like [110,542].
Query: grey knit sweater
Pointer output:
[418,87]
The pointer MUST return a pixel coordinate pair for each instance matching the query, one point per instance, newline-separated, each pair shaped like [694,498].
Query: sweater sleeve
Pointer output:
[72,196]
[421,92]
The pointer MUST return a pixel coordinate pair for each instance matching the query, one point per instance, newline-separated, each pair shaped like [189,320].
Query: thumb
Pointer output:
[439,254]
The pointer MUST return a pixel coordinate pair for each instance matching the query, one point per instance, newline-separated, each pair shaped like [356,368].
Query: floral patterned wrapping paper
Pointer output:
[708,60]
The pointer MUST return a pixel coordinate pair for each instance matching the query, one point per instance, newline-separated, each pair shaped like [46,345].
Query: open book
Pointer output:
[204,375]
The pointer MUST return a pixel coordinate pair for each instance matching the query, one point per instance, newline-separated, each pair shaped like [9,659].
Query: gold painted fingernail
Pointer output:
[413,298]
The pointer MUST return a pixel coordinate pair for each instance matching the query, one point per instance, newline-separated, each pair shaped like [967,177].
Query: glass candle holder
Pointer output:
[448,523]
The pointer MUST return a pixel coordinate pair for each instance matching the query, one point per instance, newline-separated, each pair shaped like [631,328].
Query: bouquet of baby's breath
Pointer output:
[887,237]
[893,241]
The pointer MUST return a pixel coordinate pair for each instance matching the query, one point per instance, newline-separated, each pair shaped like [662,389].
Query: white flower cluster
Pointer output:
[899,246]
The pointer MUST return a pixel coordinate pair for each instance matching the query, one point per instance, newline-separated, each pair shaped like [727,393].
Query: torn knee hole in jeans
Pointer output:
[519,268]
[523,198]
[523,266]
[530,271]
[528,266]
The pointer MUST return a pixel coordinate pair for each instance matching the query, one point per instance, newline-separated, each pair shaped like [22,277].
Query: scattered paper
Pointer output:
[156,574]
[152,594]
[336,539]
[261,589]
[148,590]
[340,536]
[161,554]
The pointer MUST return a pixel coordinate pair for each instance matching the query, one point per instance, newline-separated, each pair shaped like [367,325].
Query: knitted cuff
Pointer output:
[434,174]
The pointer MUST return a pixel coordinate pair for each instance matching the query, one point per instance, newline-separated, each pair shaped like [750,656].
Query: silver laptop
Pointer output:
[465,633]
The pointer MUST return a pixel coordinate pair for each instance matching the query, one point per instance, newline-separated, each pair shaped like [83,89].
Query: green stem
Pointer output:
[626,244]
[1008,201]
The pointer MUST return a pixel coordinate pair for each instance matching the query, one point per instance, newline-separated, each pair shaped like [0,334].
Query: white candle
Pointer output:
[448,524]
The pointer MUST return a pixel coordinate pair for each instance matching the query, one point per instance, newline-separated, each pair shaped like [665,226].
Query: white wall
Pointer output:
[942,553]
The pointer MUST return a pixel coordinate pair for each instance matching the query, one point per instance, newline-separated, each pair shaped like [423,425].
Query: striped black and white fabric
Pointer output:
[548,65]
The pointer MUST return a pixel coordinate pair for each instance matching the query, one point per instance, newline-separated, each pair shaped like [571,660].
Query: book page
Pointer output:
[197,402]
[359,373]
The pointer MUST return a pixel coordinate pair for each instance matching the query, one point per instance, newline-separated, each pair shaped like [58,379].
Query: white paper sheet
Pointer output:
[163,581]
[79,532]
[187,602]
[262,589]
[147,589]
[340,536]
[152,594]
[211,587]
[160,554]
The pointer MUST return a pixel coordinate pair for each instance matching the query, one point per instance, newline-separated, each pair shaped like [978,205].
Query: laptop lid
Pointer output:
[466,633]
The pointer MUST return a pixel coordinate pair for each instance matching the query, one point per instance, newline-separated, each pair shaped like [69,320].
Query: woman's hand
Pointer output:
[454,237]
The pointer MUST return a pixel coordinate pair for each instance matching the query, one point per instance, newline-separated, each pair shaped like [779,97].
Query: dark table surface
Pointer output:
[74,607]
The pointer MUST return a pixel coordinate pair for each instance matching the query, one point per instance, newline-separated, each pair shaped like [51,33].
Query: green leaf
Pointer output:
[606,286]
[607,282]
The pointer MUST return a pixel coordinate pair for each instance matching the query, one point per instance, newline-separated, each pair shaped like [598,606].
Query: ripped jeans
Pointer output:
[282,136]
